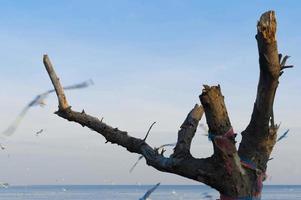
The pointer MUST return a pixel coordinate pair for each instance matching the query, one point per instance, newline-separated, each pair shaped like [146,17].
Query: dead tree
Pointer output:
[236,174]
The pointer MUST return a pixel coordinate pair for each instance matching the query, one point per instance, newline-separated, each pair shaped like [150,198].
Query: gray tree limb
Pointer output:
[197,169]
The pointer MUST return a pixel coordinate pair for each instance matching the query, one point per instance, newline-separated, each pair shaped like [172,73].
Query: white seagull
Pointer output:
[149,192]
[39,100]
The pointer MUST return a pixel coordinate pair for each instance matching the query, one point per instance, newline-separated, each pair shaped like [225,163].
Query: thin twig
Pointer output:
[149,131]
[282,63]
[286,67]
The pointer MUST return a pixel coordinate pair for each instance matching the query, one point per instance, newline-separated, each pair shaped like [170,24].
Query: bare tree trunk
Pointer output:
[236,174]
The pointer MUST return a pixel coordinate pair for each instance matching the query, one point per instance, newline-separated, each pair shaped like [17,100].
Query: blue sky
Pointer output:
[148,60]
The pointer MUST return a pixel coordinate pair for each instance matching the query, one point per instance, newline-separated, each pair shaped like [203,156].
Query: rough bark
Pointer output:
[186,166]
[259,136]
[235,174]
[221,133]
[187,132]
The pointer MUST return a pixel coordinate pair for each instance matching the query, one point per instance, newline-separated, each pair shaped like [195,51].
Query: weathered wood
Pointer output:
[63,104]
[259,137]
[223,139]
[235,174]
[187,132]
[197,169]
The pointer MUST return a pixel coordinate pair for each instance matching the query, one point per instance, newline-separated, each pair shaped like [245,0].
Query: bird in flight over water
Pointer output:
[40,100]
[149,192]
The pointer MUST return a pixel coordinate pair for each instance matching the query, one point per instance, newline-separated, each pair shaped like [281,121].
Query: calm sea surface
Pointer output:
[131,192]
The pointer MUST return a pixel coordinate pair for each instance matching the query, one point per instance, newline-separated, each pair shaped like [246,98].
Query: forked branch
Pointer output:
[201,170]
[235,174]
[260,135]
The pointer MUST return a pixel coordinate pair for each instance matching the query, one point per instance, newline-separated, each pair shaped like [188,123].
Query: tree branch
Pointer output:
[63,104]
[216,113]
[223,139]
[269,70]
[187,132]
[259,137]
[201,170]
[149,131]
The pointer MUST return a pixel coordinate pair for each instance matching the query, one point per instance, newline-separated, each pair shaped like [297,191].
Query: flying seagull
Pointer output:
[284,135]
[149,192]
[40,100]
[133,167]
[39,132]
[160,147]
[2,147]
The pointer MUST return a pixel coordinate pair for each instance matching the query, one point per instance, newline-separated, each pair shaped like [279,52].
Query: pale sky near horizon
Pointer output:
[149,60]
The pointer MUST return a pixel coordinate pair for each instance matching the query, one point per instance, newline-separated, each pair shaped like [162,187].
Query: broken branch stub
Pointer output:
[63,104]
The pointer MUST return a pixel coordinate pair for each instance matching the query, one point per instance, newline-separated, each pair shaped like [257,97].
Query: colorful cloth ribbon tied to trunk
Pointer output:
[259,173]
[224,142]
[248,164]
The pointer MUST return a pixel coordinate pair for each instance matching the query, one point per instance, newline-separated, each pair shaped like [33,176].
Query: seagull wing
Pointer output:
[80,85]
[148,193]
[12,128]
[39,100]
[284,135]
[132,168]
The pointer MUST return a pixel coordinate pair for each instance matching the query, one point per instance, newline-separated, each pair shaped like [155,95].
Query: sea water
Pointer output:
[133,192]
